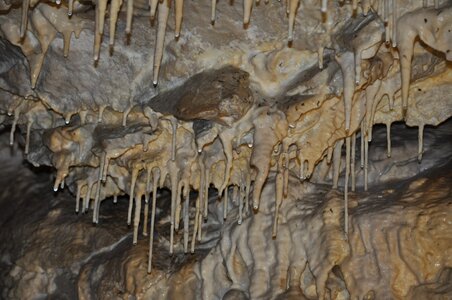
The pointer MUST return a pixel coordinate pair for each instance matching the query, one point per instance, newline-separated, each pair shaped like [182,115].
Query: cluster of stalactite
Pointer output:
[107,154]
[48,19]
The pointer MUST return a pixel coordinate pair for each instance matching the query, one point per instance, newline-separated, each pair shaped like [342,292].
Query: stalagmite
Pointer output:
[352,163]
[115,7]
[179,12]
[129,16]
[347,174]
[155,180]
[293,6]
[225,203]
[347,63]
[247,7]
[136,219]
[24,23]
[278,201]
[420,142]
[160,42]
[388,138]
[337,162]
[133,180]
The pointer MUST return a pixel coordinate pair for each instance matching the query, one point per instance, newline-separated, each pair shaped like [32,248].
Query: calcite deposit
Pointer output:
[241,141]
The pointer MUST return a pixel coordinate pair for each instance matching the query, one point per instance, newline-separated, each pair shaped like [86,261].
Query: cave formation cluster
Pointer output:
[253,107]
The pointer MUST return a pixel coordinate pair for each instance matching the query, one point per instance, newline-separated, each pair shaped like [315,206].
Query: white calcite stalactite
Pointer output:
[337,162]
[129,16]
[163,14]
[347,176]
[225,202]
[115,7]
[420,142]
[213,12]
[24,23]
[292,8]
[136,218]
[347,63]
[133,181]
[247,7]
[278,200]
[433,28]
[155,180]
[352,162]
[186,220]
[179,12]
[388,139]
[265,140]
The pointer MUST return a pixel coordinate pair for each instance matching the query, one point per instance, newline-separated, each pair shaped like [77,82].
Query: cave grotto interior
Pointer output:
[226,149]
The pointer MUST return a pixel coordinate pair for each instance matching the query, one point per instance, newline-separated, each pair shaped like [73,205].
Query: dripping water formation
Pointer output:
[218,150]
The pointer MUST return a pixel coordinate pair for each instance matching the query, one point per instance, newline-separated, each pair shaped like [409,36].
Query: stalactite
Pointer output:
[174,178]
[153,8]
[247,7]
[129,16]
[99,184]
[147,193]
[347,175]
[347,63]
[213,12]
[27,138]
[278,201]
[77,197]
[186,219]
[293,6]
[394,23]
[155,180]
[242,195]
[388,138]
[115,7]
[70,7]
[163,14]
[337,162]
[352,163]
[179,12]
[136,219]
[133,180]
[225,203]
[366,162]
[420,142]
[24,23]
